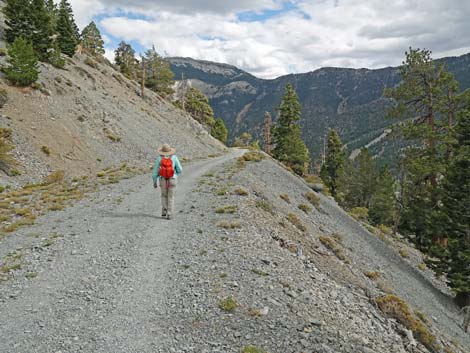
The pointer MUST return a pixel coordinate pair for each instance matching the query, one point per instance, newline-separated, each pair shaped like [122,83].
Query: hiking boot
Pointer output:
[164,214]
[168,217]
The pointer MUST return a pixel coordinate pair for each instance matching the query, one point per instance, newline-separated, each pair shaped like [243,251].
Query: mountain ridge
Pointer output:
[347,99]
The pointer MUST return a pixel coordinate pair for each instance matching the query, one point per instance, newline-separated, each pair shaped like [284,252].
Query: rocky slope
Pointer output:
[88,117]
[347,100]
[239,267]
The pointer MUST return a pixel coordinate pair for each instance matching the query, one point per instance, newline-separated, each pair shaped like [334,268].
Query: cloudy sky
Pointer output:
[270,38]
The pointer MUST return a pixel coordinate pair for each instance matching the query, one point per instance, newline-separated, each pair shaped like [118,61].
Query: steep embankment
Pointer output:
[88,117]
[240,265]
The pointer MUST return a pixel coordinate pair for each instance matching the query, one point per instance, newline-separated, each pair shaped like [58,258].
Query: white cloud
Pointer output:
[352,33]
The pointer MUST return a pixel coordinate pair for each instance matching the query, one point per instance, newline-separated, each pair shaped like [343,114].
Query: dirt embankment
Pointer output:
[88,117]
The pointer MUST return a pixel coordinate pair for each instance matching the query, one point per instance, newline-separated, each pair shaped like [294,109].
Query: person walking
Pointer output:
[165,173]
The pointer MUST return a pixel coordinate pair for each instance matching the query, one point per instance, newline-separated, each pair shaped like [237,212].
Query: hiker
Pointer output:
[166,170]
[466,318]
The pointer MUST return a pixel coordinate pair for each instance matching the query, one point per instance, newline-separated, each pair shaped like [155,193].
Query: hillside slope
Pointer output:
[90,117]
[235,269]
[348,100]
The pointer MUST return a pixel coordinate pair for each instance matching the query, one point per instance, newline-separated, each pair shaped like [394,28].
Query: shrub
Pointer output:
[360,214]
[221,192]
[397,309]
[6,157]
[55,177]
[373,275]
[285,197]
[403,253]
[90,62]
[253,156]
[228,304]
[252,349]
[332,245]
[46,150]
[296,222]
[229,225]
[227,209]
[240,192]
[313,199]
[313,179]
[3,52]
[306,208]
[265,206]
[23,63]
[3,97]
[111,135]
[55,57]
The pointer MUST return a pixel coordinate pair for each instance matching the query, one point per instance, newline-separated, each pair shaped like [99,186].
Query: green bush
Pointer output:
[360,213]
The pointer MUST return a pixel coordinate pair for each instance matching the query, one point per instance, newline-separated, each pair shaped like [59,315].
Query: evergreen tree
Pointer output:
[382,208]
[357,181]
[426,94]
[91,39]
[18,20]
[289,148]
[67,29]
[456,208]
[126,61]
[334,162]
[42,34]
[55,57]
[159,75]
[197,104]
[219,131]
[23,63]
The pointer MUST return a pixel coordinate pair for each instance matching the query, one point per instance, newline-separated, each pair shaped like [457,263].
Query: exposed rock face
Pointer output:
[347,100]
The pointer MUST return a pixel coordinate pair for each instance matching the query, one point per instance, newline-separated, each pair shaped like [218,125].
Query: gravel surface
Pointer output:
[108,275]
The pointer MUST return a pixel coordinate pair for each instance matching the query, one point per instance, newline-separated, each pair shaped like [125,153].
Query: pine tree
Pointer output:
[158,72]
[126,61]
[357,181]
[67,29]
[18,20]
[456,203]
[383,206]
[55,57]
[197,104]
[427,93]
[23,63]
[91,39]
[334,162]
[42,34]
[219,131]
[289,148]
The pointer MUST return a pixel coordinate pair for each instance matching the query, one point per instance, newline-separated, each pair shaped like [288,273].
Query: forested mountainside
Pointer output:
[348,100]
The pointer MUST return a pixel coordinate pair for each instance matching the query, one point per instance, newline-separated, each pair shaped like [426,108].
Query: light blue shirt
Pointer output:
[176,167]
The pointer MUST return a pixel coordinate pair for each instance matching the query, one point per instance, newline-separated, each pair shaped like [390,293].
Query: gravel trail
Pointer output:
[101,286]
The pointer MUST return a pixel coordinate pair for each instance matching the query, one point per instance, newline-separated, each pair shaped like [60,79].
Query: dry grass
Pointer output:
[285,197]
[306,208]
[373,275]
[396,308]
[221,192]
[313,199]
[332,244]
[296,222]
[227,209]
[20,208]
[111,135]
[252,349]
[240,192]
[229,225]
[265,205]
